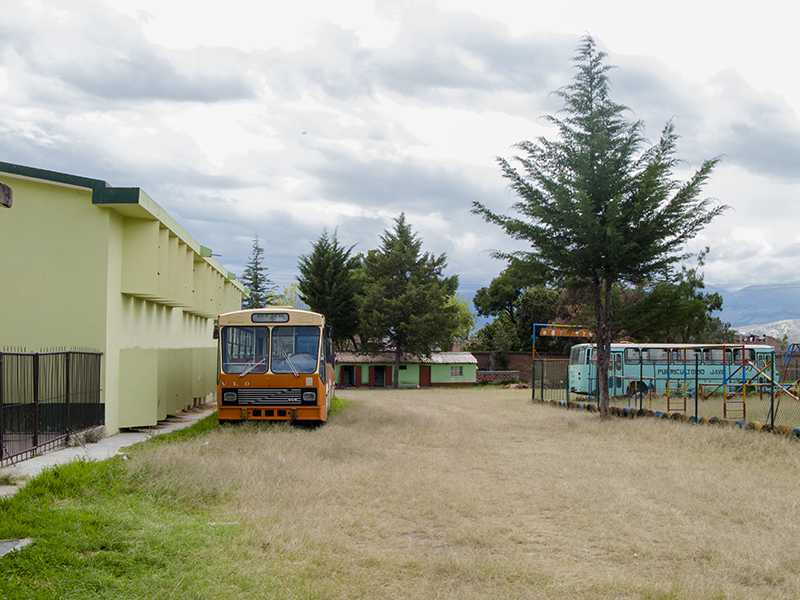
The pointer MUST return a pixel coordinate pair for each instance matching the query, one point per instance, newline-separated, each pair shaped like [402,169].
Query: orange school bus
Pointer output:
[275,364]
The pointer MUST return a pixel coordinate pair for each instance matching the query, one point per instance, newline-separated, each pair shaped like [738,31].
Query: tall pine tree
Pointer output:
[405,303]
[328,286]
[597,207]
[262,290]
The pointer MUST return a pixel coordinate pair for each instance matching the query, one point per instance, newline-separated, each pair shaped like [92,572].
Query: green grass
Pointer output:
[100,530]
[97,533]
[338,405]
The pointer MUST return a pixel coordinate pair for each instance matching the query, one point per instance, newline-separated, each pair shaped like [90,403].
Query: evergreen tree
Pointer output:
[536,306]
[262,290]
[498,338]
[327,285]
[505,289]
[676,310]
[405,303]
[499,296]
[596,207]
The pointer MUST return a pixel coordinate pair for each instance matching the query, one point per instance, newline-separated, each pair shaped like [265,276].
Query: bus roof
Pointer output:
[622,345]
[294,316]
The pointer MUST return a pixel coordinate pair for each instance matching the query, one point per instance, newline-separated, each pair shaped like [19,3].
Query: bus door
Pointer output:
[615,380]
[765,369]
[591,376]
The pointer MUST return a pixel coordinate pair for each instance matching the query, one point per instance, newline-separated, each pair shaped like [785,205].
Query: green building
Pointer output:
[441,369]
[89,266]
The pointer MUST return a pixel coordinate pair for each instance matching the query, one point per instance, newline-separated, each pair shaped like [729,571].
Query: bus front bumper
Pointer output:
[272,413]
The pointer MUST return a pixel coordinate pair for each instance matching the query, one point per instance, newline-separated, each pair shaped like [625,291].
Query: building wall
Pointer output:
[517,361]
[167,299]
[170,352]
[53,269]
[409,377]
[88,266]
[441,375]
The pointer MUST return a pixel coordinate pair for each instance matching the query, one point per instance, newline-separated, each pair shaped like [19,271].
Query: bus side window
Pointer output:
[682,356]
[655,355]
[632,356]
[714,356]
[330,356]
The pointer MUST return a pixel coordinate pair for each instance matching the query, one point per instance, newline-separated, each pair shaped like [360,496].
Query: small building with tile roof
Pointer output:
[440,369]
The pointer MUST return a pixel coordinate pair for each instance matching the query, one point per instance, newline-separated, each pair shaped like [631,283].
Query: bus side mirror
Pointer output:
[215,335]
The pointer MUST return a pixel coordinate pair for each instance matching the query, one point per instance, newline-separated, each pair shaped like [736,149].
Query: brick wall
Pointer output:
[517,361]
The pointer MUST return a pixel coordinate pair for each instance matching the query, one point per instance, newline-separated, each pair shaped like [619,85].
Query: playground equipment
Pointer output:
[668,376]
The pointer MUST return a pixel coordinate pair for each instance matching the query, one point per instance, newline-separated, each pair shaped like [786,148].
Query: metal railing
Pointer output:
[46,397]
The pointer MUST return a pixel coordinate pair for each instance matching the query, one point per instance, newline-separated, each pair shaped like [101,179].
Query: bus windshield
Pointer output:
[295,349]
[577,355]
[244,349]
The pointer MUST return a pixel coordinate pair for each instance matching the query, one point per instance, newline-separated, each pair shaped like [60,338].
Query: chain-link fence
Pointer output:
[772,399]
[550,379]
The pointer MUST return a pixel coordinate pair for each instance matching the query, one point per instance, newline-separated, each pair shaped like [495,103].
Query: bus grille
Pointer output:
[270,396]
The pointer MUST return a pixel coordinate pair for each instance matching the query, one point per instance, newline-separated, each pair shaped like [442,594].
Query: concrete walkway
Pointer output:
[105,448]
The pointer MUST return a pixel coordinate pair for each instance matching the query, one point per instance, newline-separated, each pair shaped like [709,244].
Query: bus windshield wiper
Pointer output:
[252,366]
[291,364]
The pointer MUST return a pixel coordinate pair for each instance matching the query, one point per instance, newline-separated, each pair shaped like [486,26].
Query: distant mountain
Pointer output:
[760,304]
[789,328]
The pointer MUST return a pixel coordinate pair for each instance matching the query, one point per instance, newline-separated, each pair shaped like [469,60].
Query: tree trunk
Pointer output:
[602,312]
[396,367]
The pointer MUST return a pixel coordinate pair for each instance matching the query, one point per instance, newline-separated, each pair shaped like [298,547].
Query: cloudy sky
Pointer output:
[278,119]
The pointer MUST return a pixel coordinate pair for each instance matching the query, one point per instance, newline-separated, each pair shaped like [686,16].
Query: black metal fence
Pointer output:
[550,379]
[46,397]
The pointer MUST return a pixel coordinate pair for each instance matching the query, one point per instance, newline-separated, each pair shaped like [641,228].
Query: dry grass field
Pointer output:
[480,493]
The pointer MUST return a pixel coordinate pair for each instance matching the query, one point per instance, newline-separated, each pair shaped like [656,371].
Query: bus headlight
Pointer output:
[310,396]
[229,397]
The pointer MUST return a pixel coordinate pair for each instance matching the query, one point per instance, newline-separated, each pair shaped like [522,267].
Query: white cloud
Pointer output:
[227,132]
[274,119]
